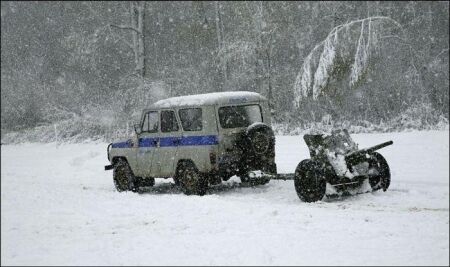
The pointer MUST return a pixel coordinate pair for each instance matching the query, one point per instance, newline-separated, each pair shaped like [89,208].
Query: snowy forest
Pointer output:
[85,70]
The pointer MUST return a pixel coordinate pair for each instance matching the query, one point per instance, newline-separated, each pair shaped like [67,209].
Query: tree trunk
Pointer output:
[134,34]
[269,68]
[219,31]
[141,48]
[137,14]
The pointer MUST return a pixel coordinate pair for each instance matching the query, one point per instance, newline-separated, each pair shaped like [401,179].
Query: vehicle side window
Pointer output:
[150,122]
[191,119]
[168,121]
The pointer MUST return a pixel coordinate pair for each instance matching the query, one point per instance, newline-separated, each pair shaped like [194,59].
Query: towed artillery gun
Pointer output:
[337,161]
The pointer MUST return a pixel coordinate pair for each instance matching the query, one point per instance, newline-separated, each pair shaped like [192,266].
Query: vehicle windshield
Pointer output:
[239,116]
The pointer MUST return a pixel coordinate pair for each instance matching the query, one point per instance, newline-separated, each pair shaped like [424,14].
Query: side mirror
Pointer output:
[137,129]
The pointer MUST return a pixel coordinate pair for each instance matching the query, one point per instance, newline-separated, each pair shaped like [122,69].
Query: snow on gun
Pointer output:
[336,160]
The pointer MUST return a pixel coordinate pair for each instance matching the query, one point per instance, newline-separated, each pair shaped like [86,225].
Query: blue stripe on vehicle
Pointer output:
[148,142]
[200,140]
[121,145]
[168,141]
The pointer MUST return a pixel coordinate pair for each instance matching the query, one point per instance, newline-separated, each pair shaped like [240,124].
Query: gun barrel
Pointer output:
[374,148]
[360,154]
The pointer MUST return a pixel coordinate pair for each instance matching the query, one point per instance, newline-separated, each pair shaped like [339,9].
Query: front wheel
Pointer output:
[123,177]
[309,182]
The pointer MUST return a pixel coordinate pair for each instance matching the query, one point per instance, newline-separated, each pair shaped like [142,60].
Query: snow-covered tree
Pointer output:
[347,46]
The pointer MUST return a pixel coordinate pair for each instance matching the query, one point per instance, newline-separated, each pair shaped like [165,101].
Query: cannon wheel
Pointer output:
[309,181]
[383,179]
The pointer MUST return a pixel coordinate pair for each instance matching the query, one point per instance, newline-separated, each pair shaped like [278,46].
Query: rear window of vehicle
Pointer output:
[239,116]
[191,119]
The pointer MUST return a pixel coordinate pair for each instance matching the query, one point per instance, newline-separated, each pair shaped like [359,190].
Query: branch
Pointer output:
[304,81]
[126,27]
[339,27]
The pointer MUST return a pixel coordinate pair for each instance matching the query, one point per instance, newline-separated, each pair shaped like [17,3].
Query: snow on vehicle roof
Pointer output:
[233,97]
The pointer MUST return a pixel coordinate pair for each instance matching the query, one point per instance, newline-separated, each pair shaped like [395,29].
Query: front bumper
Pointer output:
[109,167]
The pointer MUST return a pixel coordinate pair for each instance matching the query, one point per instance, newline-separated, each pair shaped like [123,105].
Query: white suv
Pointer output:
[198,140]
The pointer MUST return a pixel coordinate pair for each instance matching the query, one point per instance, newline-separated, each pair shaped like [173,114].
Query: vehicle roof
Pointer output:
[232,97]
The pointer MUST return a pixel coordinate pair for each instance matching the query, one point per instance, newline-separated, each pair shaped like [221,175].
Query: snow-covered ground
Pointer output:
[58,206]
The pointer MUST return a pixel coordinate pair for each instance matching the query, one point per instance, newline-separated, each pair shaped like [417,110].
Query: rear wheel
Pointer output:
[190,180]
[309,182]
[123,177]
[382,177]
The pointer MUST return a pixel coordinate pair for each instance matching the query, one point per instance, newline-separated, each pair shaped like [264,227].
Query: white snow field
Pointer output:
[59,207]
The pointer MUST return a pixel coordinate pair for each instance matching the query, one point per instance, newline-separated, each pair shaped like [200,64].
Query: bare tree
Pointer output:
[220,37]
[136,28]
[265,28]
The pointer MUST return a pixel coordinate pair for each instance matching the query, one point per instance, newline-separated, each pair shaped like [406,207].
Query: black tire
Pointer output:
[123,177]
[258,153]
[260,141]
[383,179]
[309,181]
[190,179]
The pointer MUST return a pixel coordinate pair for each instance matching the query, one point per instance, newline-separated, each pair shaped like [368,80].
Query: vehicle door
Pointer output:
[199,136]
[170,138]
[148,143]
